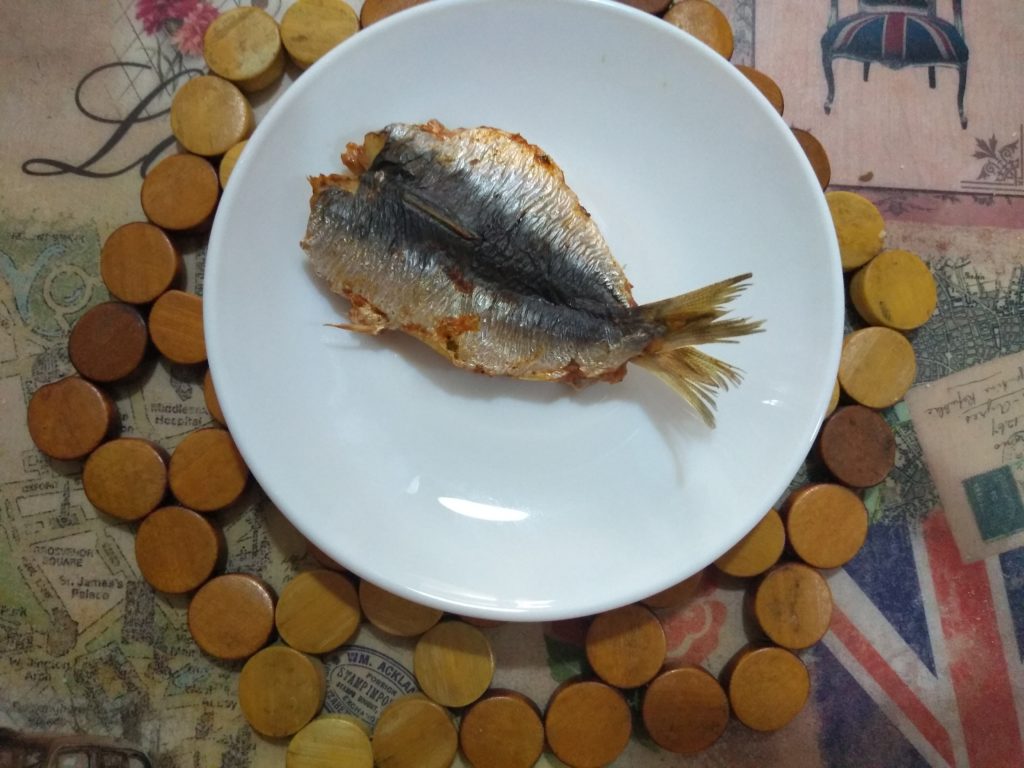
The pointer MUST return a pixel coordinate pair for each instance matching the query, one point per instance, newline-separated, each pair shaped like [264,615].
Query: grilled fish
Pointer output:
[471,241]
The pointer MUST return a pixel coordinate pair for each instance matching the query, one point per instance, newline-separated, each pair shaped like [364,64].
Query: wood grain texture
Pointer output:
[207,472]
[414,732]
[860,228]
[877,366]
[685,710]
[317,611]
[587,724]
[826,524]
[396,615]
[232,616]
[126,478]
[626,647]
[108,342]
[767,687]
[280,690]
[329,742]
[857,446]
[895,289]
[502,730]
[69,418]
[310,28]
[180,193]
[177,549]
[138,262]
[209,115]
[793,606]
[453,663]
[756,552]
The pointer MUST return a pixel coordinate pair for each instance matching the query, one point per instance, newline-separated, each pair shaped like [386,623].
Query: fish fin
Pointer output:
[696,376]
[373,330]
[438,214]
[696,317]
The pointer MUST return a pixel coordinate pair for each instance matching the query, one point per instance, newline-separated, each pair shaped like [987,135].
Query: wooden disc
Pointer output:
[833,401]
[68,419]
[857,446]
[481,623]
[453,663]
[685,710]
[209,115]
[241,45]
[767,688]
[375,10]
[704,21]
[588,724]
[180,192]
[657,7]
[177,549]
[311,28]
[206,471]
[126,478]
[676,595]
[626,647]
[317,611]
[108,342]
[768,87]
[877,366]
[756,552]
[860,228]
[896,289]
[793,606]
[138,262]
[227,163]
[210,398]
[176,327]
[816,155]
[328,742]
[396,615]
[414,732]
[826,524]
[502,730]
[232,616]
[280,690]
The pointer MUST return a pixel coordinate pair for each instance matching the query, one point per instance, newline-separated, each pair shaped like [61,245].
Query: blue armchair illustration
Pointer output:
[896,34]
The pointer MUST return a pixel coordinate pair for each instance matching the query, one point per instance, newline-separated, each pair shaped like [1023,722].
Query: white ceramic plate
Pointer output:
[524,500]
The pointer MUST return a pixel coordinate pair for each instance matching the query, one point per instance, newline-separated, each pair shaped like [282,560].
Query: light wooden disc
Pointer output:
[767,688]
[816,155]
[180,193]
[626,647]
[209,115]
[232,616]
[502,730]
[896,289]
[68,419]
[206,471]
[833,401]
[768,87]
[242,45]
[375,10]
[317,611]
[177,549]
[311,28]
[860,228]
[176,327]
[396,615]
[826,524]
[877,366]
[227,163]
[793,606]
[126,478]
[685,710]
[676,595]
[858,446]
[588,724]
[280,690]
[414,732]
[453,663]
[138,262]
[210,398]
[704,21]
[329,742]
[108,342]
[756,552]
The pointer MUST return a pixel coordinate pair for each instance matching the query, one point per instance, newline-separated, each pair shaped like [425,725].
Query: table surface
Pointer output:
[923,661]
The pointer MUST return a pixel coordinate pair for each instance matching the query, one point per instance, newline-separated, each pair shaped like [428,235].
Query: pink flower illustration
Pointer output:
[189,36]
[155,13]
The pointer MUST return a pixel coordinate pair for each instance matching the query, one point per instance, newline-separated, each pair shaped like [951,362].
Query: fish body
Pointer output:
[471,241]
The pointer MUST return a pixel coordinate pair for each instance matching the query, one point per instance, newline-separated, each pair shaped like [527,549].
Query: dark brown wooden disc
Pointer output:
[68,419]
[108,342]
[858,446]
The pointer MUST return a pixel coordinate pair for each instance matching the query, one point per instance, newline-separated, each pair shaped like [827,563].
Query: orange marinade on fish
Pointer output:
[471,241]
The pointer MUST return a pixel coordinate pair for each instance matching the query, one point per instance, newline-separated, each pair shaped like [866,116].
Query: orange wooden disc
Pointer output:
[704,21]
[826,524]
[685,710]
[793,606]
[857,446]
[210,398]
[209,115]
[317,611]
[768,87]
[180,192]
[126,478]
[108,342]
[232,616]
[280,690]
[396,615]
[767,688]
[138,262]
[414,732]
[206,471]
[502,730]
[176,327]
[69,418]
[756,552]
[676,595]
[375,10]
[626,647]
[177,549]
[657,7]
[588,724]
[816,155]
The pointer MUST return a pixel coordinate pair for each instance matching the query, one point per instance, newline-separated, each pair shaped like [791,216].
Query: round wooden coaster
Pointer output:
[210,398]
[176,327]
[676,595]
[180,193]
[793,606]
[68,419]
[704,21]
[768,87]
[756,552]
[502,730]
[685,710]
[656,7]
[396,615]
[453,663]
[414,732]
[108,342]
[329,742]
[767,688]
[860,228]
[877,366]
[227,163]
[232,616]
[588,724]
[209,115]
[138,262]
[317,611]
[311,28]
[375,10]
[243,45]
[896,289]
[816,155]
[280,690]
[126,478]
[826,524]
[857,446]
[177,549]
[626,647]
[206,471]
